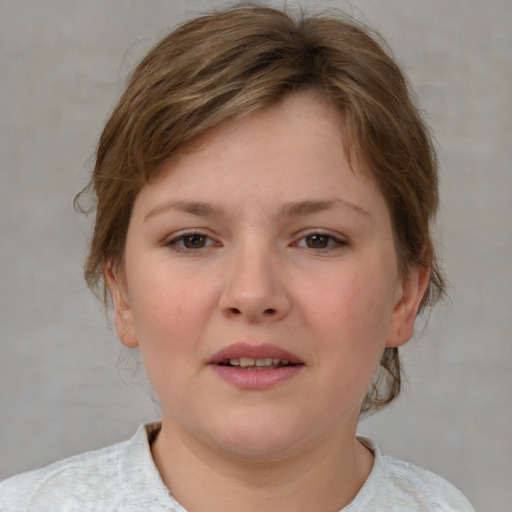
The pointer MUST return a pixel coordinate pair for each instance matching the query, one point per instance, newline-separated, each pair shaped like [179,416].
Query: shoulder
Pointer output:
[398,485]
[122,477]
[71,482]
[412,482]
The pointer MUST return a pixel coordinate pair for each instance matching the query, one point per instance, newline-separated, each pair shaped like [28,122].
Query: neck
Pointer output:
[321,478]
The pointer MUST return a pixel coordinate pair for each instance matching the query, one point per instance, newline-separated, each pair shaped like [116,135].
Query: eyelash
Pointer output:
[332,242]
[178,242]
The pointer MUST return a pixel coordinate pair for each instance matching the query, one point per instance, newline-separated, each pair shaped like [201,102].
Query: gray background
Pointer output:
[65,384]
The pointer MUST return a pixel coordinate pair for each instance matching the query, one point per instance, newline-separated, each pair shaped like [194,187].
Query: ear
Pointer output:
[123,316]
[410,292]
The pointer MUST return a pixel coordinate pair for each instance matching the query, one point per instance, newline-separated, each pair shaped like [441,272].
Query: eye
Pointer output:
[320,241]
[191,241]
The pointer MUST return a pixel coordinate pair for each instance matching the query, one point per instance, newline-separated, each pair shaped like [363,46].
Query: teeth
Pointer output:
[248,362]
[264,362]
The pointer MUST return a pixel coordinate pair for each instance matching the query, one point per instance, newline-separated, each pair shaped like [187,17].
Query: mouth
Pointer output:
[244,356]
[255,367]
[250,363]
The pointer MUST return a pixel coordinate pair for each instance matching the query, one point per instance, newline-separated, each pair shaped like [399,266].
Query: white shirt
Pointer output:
[124,478]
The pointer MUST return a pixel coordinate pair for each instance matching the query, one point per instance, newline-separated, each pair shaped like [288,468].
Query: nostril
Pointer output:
[269,311]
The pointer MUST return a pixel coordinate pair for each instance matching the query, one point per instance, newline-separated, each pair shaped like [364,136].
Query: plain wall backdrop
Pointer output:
[65,384]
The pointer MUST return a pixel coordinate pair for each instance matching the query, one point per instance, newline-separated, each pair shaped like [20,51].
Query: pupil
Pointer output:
[316,241]
[194,241]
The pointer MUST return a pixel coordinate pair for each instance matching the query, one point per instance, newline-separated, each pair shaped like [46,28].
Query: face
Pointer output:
[261,284]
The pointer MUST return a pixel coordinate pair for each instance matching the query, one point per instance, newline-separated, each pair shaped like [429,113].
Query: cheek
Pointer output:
[357,306]
[168,327]
[167,312]
[352,319]
[163,318]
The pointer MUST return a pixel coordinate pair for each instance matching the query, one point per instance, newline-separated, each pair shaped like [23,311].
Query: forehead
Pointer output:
[308,108]
[291,151]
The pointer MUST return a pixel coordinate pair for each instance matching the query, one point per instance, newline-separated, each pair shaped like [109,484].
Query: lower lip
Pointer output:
[256,379]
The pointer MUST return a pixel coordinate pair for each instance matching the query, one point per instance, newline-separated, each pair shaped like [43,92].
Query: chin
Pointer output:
[259,439]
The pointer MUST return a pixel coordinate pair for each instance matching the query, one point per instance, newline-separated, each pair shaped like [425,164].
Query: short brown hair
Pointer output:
[229,63]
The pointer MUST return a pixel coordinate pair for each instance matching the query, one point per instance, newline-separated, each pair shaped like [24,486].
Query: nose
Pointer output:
[255,287]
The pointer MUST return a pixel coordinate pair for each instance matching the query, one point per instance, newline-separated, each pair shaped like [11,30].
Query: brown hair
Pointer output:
[230,63]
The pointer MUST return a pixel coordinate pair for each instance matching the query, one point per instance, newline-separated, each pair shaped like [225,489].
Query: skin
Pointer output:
[295,249]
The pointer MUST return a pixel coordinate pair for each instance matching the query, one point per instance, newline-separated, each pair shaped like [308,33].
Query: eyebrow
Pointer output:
[299,208]
[293,209]
[198,208]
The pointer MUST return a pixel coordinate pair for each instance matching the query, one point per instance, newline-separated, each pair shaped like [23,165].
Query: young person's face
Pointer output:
[260,242]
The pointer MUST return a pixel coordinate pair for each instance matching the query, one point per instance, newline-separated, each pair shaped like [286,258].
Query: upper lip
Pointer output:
[261,351]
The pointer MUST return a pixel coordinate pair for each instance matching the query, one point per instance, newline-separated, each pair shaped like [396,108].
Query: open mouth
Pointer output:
[249,363]
[255,367]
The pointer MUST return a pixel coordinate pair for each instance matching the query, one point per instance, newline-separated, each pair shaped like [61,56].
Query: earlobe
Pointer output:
[411,292]
[123,316]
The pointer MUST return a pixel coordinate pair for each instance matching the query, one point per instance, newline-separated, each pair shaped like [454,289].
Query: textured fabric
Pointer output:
[124,478]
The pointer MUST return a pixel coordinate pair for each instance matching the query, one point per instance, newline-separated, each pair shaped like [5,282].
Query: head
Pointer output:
[224,66]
